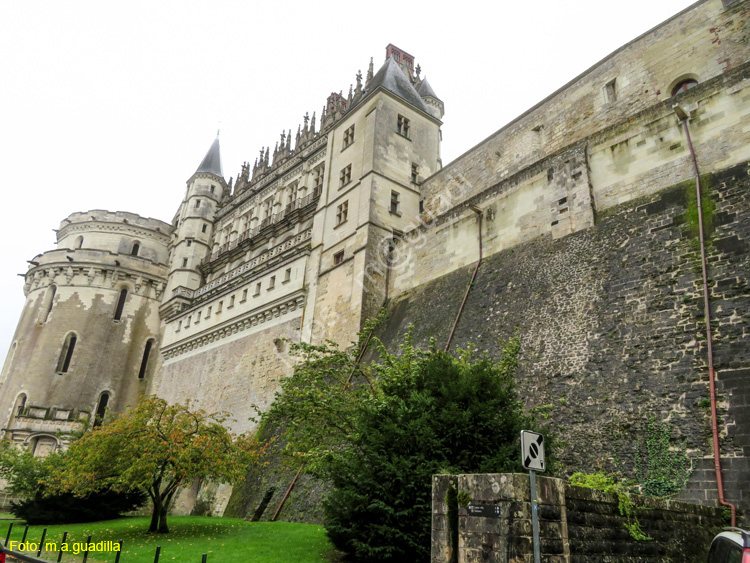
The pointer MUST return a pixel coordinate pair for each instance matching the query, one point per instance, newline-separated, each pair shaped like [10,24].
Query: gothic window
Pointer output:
[20,405]
[684,86]
[144,360]
[349,136]
[342,211]
[346,176]
[403,126]
[120,304]
[395,202]
[338,258]
[66,354]
[414,172]
[136,248]
[101,409]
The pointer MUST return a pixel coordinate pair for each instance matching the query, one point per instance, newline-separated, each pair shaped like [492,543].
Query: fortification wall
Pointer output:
[611,325]
[702,42]
[564,192]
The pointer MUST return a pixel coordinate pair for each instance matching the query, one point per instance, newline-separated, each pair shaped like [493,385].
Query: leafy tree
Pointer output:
[154,448]
[380,432]
[27,477]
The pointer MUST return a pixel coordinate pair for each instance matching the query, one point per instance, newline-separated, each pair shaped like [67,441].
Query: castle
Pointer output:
[573,222]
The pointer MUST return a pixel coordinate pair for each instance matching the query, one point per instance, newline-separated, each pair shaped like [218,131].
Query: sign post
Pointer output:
[532,456]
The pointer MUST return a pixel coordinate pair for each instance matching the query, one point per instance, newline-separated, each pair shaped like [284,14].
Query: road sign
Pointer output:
[532,450]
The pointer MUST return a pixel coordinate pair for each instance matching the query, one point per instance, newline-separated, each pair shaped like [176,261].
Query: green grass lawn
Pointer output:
[225,540]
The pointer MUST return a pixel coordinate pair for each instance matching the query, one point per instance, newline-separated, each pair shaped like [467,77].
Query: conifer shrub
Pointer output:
[378,433]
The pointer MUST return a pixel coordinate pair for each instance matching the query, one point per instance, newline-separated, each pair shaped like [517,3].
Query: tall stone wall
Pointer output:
[611,324]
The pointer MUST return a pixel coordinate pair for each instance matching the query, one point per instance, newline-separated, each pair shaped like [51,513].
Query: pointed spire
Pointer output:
[370,71]
[312,124]
[289,142]
[211,163]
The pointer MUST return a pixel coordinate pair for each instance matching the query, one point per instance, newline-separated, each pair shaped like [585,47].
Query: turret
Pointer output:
[193,228]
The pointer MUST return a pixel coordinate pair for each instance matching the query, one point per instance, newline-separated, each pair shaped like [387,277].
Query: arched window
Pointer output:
[66,354]
[79,242]
[136,248]
[144,361]
[684,85]
[101,409]
[20,405]
[120,304]
[49,299]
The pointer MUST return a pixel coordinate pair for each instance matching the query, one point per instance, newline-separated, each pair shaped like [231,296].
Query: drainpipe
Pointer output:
[478,211]
[683,117]
[358,360]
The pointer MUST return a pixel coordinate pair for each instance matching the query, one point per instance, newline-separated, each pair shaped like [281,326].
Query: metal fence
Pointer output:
[33,550]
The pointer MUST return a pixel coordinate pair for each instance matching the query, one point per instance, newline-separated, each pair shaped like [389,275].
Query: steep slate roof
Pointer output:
[212,161]
[392,78]
[424,89]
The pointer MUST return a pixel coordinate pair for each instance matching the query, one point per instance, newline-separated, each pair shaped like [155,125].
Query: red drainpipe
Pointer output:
[709,350]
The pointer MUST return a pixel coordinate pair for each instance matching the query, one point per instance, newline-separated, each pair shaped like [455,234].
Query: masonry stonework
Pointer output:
[581,208]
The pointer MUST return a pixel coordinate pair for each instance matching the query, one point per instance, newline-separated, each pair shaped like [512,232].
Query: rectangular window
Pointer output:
[244,296]
[208,313]
[197,203]
[349,136]
[346,176]
[318,177]
[219,306]
[187,322]
[184,262]
[403,126]
[610,90]
[342,211]
[231,302]
[287,275]
[205,227]
[179,326]
[338,258]
[257,289]
[271,283]
[421,206]
[198,317]
[213,188]
[189,242]
[394,202]
[414,172]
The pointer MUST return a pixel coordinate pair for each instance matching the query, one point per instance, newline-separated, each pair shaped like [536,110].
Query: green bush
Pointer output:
[67,508]
[406,418]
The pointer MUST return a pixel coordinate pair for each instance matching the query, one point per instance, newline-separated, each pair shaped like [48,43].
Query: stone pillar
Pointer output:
[442,546]
[494,519]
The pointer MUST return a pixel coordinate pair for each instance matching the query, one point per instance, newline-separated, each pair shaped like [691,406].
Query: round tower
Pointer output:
[192,228]
[88,335]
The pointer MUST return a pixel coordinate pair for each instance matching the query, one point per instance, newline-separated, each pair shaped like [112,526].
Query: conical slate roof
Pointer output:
[392,78]
[212,161]
[424,90]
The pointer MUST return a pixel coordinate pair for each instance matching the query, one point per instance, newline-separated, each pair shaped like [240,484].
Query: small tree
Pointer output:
[154,448]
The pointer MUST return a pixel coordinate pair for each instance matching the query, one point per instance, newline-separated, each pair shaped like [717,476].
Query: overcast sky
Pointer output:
[108,105]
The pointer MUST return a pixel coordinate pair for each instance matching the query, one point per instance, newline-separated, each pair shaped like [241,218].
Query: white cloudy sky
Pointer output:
[112,105]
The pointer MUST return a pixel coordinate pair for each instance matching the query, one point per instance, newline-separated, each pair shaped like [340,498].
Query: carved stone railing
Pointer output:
[275,218]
